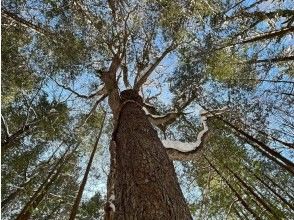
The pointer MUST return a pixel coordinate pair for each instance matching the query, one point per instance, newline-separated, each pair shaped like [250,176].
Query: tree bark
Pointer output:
[143,182]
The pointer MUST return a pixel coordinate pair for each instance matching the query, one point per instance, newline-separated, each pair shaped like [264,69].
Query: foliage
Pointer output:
[202,55]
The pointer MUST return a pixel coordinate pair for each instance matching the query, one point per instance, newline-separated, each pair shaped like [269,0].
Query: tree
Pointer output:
[155,62]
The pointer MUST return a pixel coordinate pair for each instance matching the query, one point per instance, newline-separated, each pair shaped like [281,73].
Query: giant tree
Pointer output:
[154,60]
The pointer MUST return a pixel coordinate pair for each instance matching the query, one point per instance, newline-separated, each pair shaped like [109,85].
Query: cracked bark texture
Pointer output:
[145,182]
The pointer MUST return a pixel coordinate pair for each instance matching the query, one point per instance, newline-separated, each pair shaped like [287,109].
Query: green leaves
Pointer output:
[17,75]
[227,55]
[223,65]
[91,209]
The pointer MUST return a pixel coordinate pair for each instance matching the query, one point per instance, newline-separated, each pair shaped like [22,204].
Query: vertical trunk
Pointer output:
[39,194]
[271,189]
[256,196]
[246,206]
[76,204]
[144,183]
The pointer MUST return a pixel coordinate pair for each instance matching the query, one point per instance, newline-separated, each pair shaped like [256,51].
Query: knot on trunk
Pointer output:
[131,94]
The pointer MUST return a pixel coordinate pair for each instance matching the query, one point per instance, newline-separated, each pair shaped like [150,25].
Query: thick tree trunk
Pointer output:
[144,183]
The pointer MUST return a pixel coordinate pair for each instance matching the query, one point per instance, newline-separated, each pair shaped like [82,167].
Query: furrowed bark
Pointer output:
[144,181]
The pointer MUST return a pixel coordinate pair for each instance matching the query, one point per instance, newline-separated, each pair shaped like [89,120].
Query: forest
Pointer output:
[124,109]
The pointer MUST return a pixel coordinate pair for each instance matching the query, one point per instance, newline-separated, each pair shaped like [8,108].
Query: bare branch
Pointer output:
[6,129]
[101,91]
[143,76]
[268,35]
[193,147]
[272,60]
[93,109]
[36,27]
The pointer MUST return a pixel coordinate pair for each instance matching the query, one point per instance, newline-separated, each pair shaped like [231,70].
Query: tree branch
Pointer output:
[101,91]
[6,129]
[109,78]
[193,147]
[92,110]
[272,60]
[162,121]
[26,23]
[268,35]
[143,75]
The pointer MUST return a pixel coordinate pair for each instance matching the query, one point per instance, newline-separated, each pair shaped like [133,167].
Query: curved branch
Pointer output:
[163,120]
[193,147]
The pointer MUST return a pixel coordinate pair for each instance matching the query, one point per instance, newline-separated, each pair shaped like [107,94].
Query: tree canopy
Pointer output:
[216,78]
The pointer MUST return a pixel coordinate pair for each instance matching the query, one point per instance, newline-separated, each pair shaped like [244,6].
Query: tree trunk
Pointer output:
[42,190]
[270,188]
[262,148]
[143,182]
[254,193]
[76,204]
[239,197]
[16,193]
